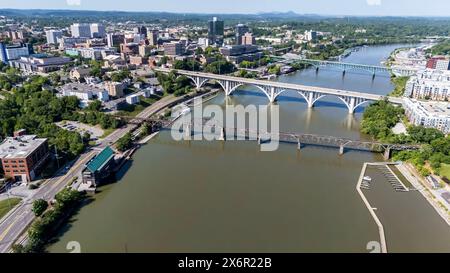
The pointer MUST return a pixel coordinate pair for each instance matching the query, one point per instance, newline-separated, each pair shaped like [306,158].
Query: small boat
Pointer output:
[367,178]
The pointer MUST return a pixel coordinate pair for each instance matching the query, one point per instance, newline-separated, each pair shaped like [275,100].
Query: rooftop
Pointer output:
[98,162]
[81,88]
[433,107]
[20,147]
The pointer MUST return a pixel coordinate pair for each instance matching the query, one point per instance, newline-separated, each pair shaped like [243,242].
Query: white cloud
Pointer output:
[373,2]
[73,2]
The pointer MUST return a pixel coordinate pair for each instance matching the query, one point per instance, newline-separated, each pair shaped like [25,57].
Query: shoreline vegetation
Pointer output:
[380,117]
[378,120]
[45,226]
[399,85]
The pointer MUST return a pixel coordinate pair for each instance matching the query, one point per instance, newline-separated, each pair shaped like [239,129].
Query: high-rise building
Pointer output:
[240,31]
[115,89]
[432,62]
[97,30]
[248,39]
[115,39]
[129,48]
[174,48]
[215,31]
[443,64]
[80,30]
[144,50]
[141,30]
[53,36]
[311,35]
[14,52]
[428,114]
[429,84]
[3,56]
[152,36]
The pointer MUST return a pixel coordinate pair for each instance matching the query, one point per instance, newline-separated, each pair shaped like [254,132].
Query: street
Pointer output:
[21,217]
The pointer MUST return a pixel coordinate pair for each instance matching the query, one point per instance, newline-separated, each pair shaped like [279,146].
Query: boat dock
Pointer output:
[371,209]
[392,178]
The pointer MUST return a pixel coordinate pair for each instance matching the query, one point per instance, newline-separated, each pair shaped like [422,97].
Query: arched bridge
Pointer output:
[292,58]
[273,90]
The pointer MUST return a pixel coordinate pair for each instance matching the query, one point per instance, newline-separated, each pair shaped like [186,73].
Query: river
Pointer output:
[203,196]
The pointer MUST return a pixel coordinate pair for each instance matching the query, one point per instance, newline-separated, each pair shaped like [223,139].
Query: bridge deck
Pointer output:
[292,137]
[286,86]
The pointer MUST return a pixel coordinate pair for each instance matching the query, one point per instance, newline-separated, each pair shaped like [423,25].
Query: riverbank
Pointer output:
[226,196]
[441,207]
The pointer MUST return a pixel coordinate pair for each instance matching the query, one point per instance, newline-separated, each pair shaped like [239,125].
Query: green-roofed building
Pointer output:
[99,168]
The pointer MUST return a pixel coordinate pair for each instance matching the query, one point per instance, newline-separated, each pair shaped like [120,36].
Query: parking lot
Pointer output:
[81,128]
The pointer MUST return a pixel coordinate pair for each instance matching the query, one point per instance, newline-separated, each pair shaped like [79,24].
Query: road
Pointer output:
[21,217]
[282,86]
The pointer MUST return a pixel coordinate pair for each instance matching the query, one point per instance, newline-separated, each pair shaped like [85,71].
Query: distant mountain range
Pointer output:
[173,15]
[50,12]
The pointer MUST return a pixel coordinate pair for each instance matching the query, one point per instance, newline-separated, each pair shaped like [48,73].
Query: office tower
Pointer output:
[152,36]
[248,39]
[241,29]
[81,30]
[53,36]
[14,52]
[311,35]
[115,39]
[174,48]
[97,30]
[141,30]
[215,31]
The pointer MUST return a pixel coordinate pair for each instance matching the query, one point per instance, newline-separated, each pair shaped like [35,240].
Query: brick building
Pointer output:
[23,156]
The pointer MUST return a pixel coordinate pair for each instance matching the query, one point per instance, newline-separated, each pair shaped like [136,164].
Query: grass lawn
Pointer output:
[107,132]
[399,86]
[134,110]
[445,170]
[7,205]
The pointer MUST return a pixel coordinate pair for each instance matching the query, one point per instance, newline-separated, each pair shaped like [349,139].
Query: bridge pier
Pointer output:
[343,73]
[272,95]
[351,107]
[299,145]
[317,69]
[187,132]
[223,134]
[387,154]
[341,150]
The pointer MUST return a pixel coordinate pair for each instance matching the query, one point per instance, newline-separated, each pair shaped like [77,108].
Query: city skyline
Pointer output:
[320,7]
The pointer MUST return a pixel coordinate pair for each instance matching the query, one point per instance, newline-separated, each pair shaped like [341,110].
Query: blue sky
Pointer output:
[326,7]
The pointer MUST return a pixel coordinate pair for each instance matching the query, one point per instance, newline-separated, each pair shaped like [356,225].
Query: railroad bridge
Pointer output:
[301,139]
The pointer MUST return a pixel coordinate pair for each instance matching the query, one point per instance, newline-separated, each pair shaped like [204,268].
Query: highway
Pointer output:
[21,216]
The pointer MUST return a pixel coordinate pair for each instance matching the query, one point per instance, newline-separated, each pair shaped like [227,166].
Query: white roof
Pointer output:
[20,147]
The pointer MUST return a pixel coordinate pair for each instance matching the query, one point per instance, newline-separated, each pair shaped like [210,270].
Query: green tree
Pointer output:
[39,206]
[125,142]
